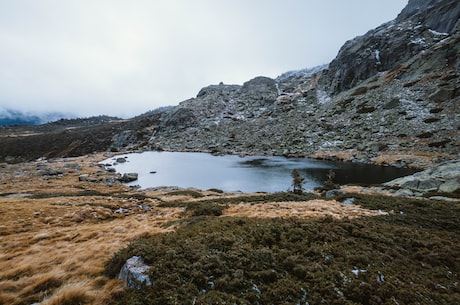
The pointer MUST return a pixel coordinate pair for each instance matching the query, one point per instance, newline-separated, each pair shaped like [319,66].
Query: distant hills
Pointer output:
[9,117]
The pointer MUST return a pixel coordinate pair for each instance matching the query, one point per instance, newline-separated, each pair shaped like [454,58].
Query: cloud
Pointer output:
[127,57]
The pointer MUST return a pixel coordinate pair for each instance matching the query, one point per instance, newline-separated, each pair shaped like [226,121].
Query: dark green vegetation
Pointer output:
[410,256]
[297,182]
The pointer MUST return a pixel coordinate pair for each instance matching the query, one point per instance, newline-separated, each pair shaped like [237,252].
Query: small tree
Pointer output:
[297,182]
[329,182]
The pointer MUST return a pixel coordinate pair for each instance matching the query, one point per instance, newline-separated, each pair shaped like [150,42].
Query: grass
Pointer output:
[66,244]
[216,206]
[399,258]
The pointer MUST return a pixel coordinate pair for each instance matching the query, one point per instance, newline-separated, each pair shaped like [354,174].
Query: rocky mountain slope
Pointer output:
[393,91]
[390,96]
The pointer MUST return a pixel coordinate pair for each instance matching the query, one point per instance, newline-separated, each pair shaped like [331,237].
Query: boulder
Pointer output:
[134,273]
[444,177]
[450,186]
[128,177]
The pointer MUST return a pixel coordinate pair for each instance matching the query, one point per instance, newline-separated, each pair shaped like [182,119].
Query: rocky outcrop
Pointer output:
[259,91]
[442,16]
[421,25]
[134,273]
[393,91]
[443,178]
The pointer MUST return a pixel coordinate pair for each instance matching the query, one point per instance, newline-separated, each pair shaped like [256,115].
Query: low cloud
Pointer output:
[124,58]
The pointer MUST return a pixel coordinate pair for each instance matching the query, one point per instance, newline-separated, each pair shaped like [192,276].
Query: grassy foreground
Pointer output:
[409,256]
[62,242]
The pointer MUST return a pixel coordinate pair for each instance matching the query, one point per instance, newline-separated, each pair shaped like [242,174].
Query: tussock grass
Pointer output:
[71,294]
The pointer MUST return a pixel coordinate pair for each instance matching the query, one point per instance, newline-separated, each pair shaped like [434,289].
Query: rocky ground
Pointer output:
[391,92]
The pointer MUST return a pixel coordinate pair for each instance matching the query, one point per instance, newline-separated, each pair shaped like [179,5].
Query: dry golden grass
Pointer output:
[314,208]
[419,159]
[53,246]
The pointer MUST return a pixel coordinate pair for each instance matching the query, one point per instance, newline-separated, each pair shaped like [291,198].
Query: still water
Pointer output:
[246,174]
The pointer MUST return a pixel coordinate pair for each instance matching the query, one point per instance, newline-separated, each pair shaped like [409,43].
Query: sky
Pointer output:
[123,58]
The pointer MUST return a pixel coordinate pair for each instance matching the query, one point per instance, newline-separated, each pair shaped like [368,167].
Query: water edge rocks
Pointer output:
[442,178]
[129,177]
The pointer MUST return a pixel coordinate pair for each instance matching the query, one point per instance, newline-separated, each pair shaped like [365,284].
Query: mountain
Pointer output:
[391,92]
[390,96]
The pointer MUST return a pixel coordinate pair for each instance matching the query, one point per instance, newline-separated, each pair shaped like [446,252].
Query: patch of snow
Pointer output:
[329,144]
[302,72]
[435,33]
[322,97]
[278,88]
[357,271]
[420,41]
[255,288]
[380,278]
[380,212]
[377,57]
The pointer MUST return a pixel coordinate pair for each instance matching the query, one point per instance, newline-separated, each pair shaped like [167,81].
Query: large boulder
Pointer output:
[442,178]
[129,177]
[134,273]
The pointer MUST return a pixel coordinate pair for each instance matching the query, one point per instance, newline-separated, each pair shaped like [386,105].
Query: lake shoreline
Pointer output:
[243,173]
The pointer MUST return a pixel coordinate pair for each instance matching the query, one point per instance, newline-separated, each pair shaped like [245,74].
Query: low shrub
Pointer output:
[403,258]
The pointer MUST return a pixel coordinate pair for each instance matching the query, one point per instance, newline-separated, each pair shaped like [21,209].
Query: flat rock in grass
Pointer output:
[134,273]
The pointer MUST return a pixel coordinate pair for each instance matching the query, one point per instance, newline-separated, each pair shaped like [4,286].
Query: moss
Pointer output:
[408,257]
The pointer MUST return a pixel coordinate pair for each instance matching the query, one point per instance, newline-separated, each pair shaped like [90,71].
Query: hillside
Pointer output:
[391,92]
[390,96]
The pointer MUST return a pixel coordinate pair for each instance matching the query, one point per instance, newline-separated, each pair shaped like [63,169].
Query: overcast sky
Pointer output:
[123,58]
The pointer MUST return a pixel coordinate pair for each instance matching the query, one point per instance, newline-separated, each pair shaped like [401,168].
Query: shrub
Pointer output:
[297,181]
[377,260]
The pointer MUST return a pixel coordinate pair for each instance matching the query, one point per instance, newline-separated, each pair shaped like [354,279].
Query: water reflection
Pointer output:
[246,174]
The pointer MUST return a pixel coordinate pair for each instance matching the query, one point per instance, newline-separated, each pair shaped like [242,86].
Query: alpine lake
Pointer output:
[232,173]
